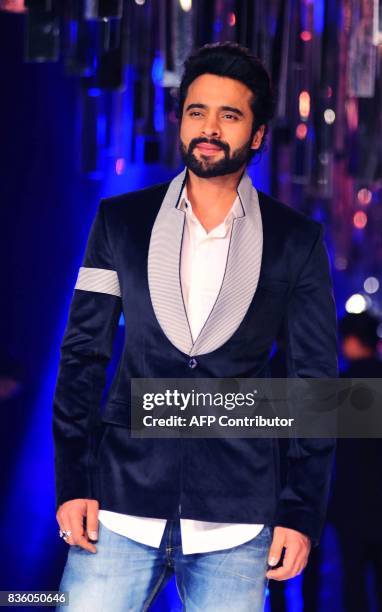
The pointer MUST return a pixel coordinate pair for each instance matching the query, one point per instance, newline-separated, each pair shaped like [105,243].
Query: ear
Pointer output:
[258,137]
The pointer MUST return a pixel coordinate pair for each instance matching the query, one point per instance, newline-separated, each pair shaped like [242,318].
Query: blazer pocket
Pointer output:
[273,294]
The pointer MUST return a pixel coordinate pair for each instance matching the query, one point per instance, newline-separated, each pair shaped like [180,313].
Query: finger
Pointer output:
[301,559]
[282,574]
[303,564]
[92,508]
[291,560]
[78,532]
[276,547]
[67,539]
[63,522]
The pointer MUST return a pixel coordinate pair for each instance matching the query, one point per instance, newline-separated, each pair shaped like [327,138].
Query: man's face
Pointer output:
[216,126]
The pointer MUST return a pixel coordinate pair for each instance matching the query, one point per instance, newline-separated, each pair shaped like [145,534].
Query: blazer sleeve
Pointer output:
[85,351]
[311,348]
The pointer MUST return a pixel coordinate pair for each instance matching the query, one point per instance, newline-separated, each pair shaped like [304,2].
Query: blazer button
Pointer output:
[192,363]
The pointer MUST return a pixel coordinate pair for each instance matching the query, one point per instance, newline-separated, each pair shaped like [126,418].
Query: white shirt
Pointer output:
[200,287]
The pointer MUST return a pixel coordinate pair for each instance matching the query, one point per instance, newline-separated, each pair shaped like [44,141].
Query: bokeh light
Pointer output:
[301,131]
[329,116]
[371,284]
[304,104]
[356,303]
[306,36]
[231,19]
[364,196]
[120,166]
[360,219]
[340,262]
[186,5]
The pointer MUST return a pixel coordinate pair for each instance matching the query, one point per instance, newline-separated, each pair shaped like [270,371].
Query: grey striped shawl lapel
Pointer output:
[241,274]
[164,268]
[240,278]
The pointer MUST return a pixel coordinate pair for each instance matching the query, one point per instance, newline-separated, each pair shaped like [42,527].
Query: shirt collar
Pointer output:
[235,211]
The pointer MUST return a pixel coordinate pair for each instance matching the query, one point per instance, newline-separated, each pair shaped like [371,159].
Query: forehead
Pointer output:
[214,90]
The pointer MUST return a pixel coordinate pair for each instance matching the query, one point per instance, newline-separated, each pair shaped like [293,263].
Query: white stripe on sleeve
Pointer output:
[97,279]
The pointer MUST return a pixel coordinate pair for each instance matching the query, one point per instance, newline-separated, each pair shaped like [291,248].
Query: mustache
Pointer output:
[217,143]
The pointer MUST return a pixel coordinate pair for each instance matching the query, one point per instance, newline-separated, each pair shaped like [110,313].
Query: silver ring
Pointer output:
[65,534]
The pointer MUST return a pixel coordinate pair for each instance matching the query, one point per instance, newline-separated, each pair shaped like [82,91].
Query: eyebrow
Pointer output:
[226,108]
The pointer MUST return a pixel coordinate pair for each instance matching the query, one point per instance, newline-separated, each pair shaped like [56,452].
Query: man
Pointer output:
[206,269]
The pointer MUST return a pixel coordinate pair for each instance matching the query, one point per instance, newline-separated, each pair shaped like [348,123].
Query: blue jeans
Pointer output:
[124,575]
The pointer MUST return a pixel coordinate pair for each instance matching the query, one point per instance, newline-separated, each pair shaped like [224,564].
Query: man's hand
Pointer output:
[296,556]
[70,516]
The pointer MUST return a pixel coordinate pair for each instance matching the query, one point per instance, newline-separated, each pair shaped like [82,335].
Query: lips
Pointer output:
[208,148]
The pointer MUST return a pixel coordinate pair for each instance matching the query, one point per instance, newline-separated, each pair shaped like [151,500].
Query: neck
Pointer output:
[212,198]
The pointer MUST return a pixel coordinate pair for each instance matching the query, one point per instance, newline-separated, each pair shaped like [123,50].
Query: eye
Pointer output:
[232,116]
[194,113]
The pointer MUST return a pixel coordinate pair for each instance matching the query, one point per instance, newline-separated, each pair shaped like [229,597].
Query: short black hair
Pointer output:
[363,326]
[229,59]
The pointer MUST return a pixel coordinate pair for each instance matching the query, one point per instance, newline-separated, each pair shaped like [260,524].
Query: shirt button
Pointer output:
[192,363]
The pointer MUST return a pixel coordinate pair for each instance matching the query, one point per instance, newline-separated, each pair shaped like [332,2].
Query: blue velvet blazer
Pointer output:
[277,274]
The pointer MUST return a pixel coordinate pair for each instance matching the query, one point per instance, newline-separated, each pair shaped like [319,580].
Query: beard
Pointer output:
[205,167]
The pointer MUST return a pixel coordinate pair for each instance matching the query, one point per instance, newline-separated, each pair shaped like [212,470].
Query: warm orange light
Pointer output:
[301,131]
[360,219]
[304,104]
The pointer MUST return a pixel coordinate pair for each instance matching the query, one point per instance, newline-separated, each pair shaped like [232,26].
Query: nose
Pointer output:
[210,127]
